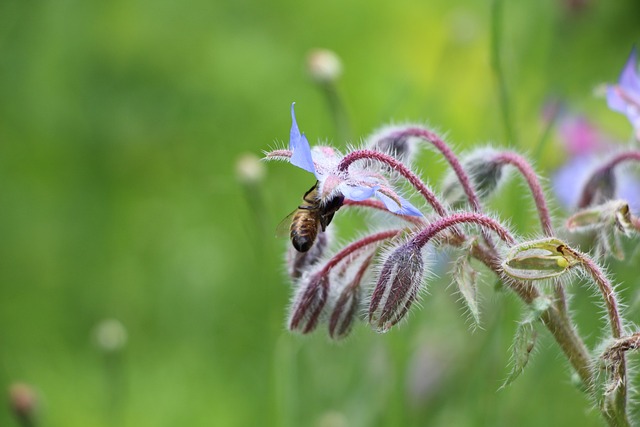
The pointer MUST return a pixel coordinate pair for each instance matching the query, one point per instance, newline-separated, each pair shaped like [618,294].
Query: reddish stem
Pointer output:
[530,176]
[398,167]
[448,155]
[466,217]
[357,245]
[605,170]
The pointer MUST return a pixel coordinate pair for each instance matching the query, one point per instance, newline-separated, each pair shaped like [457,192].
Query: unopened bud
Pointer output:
[324,66]
[249,169]
[309,303]
[299,262]
[539,259]
[613,213]
[484,172]
[24,402]
[600,188]
[392,140]
[397,288]
[110,335]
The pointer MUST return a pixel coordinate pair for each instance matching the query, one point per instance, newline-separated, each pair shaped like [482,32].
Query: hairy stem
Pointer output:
[530,176]
[448,154]
[556,322]
[453,161]
[396,165]
[482,220]
[617,414]
[357,245]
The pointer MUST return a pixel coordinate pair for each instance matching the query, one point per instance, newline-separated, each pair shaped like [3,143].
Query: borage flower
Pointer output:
[624,97]
[357,183]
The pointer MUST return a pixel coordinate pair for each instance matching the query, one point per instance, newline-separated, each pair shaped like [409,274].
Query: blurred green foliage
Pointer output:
[120,126]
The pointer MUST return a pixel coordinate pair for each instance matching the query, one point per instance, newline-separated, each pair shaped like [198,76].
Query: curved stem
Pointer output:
[482,220]
[618,415]
[530,176]
[603,173]
[398,167]
[357,245]
[448,154]
[554,319]
[525,169]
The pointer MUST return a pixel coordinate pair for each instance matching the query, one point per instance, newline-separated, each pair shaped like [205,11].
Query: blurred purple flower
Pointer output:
[624,97]
[359,183]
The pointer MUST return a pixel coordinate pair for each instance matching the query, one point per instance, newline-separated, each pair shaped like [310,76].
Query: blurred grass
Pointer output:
[120,124]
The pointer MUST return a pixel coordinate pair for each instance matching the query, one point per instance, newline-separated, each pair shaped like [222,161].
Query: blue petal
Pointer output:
[357,193]
[299,146]
[615,101]
[629,78]
[405,208]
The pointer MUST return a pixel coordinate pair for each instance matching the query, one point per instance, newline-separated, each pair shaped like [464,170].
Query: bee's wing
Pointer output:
[284,228]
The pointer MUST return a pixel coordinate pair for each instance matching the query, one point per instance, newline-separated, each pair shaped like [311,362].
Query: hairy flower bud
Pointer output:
[484,172]
[539,259]
[393,141]
[397,288]
[299,262]
[309,303]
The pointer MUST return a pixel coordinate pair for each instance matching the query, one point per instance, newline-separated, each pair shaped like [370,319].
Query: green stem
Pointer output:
[496,64]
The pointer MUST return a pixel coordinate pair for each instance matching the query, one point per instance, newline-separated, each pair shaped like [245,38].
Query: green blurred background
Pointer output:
[120,126]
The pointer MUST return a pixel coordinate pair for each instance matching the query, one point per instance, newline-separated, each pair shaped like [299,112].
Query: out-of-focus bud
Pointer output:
[299,262]
[600,188]
[24,403]
[484,172]
[249,169]
[324,66]
[539,259]
[397,288]
[110,335]
[613,213]
[309,302]
[394,141]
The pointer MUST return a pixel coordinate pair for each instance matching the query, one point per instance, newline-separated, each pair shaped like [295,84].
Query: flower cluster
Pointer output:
[383,272]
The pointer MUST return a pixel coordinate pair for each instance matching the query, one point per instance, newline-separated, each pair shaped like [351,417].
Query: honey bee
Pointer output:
[310,218]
